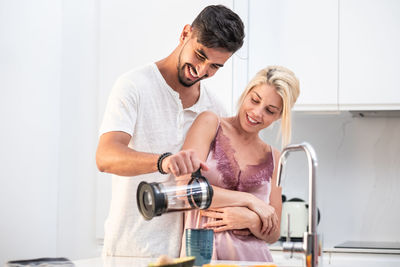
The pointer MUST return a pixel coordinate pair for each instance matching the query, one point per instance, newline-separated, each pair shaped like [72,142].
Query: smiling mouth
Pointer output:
[251,120]
[193,72]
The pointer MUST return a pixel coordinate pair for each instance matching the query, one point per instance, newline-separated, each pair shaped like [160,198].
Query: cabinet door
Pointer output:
[369,59]
[303,36]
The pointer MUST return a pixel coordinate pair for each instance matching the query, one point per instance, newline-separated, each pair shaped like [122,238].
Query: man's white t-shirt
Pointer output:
[143,105]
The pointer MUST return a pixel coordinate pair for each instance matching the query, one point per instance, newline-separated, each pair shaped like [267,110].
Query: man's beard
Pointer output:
[182,79]
[181,74]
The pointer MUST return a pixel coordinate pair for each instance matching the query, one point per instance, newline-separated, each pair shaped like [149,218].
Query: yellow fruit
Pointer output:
[165,261]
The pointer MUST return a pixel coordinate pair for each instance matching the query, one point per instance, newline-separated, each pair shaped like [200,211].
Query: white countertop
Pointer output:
[350,250]
[330,259]
[143,262]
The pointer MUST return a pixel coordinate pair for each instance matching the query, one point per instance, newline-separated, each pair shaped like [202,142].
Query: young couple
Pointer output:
[150,111]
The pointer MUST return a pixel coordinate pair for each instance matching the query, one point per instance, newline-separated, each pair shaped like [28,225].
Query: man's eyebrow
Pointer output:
[203,54]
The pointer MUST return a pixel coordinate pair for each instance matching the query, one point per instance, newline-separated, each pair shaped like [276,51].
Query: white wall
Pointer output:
[48,110]
[358,174]
[78,129]
[30,48]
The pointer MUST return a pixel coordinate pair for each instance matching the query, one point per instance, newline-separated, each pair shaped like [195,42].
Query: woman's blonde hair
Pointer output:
[287,86]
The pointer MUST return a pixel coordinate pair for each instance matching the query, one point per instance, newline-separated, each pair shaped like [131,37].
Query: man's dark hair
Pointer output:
[218,26]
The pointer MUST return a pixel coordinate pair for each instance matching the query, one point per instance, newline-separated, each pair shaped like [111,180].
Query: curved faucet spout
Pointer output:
[307,148]
[311,247]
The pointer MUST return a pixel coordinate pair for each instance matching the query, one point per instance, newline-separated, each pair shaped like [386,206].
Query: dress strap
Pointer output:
[273,157]
[273,151]
[218,125]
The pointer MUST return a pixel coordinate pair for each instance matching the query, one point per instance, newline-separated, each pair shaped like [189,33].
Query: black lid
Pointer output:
[151,202]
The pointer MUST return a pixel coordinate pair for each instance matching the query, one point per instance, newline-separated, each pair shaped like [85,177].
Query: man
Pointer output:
[148,114]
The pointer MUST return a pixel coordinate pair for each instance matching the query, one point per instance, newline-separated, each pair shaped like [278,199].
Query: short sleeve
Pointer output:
[122,108]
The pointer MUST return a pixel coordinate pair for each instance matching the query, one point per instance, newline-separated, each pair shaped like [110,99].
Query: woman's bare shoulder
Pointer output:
[267,148]
[276,152]
[208,117]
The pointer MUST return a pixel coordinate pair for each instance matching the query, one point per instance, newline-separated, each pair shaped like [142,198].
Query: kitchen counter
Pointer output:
[330,259]
[349,250]
[143,262]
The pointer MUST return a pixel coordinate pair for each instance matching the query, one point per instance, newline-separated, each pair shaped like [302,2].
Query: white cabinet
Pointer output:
[301,35]
[334,258]
[345,53]
[361,259]
[369,49]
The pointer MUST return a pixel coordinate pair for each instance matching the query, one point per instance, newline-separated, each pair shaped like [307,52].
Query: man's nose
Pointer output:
[202,69]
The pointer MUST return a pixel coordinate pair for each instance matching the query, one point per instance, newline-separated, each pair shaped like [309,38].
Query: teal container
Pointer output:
[199,243]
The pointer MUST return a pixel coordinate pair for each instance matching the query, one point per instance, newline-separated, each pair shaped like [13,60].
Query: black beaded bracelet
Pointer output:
[159,161]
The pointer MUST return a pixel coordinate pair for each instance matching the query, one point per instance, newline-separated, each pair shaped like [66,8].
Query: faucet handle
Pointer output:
[293,250]
[288,228]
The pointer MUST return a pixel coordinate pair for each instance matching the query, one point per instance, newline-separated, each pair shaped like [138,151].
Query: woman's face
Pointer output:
[261,107]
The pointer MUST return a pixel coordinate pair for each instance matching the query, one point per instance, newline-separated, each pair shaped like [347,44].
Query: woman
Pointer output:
[242,168]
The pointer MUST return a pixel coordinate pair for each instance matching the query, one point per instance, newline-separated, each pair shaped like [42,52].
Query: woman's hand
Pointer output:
[183,162]
[241,220]
[229,218]
[267,215]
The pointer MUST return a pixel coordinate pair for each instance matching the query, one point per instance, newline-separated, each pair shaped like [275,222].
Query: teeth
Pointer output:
[251,120]
[192,73]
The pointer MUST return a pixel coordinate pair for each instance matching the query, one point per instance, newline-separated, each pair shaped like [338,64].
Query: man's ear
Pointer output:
[186,33]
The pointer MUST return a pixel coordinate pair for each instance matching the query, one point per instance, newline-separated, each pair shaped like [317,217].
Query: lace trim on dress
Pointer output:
[232,176]
[226,163]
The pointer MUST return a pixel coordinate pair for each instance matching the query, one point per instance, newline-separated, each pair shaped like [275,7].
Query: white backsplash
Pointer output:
[358,174]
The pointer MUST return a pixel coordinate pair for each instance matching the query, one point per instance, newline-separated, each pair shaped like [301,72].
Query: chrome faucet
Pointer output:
[310,245]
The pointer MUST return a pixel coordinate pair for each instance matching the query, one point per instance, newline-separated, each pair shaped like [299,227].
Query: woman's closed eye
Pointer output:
[270,111]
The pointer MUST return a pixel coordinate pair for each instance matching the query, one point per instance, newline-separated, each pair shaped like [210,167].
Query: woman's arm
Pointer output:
[195,148]
[198,139]
[241,217]
[275,201]
[230,198]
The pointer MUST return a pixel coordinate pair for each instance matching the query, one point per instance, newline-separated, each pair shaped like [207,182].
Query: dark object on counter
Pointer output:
[369,245]
[154,199]
[41,262]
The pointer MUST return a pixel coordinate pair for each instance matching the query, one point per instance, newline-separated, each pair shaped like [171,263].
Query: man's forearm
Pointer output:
[124,161]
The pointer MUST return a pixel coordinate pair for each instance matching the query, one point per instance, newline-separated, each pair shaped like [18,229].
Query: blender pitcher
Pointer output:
[154,199]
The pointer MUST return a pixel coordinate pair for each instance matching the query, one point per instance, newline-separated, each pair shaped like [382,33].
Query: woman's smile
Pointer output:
[251,121]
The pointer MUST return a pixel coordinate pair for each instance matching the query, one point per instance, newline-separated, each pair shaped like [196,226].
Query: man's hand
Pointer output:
[183,162]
